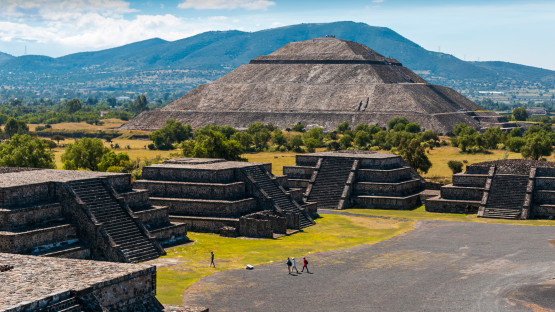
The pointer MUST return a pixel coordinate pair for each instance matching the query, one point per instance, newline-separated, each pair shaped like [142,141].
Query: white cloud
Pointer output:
[378,1]
[53,10]
[226,4]
[93,31]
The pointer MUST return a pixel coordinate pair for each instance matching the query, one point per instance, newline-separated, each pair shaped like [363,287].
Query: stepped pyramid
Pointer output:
[320,82]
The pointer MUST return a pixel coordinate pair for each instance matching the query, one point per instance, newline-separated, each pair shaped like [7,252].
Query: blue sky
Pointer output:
[514,31]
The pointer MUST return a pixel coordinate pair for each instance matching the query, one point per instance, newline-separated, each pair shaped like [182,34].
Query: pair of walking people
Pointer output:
[292,265]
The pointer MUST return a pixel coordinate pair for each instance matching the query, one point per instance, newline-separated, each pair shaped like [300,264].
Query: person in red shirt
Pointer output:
[305,265]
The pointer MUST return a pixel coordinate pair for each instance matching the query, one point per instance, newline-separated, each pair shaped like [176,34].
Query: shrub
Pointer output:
[455,166]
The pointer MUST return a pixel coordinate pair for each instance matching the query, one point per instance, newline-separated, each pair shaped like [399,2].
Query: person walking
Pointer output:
[294,265]
[289,263]
[305,265]
[212,259]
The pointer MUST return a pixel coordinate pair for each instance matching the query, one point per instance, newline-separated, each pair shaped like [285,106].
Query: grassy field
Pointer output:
[421,214]
[186,264]
[137,150]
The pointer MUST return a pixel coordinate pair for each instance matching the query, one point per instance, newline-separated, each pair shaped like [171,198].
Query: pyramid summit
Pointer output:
[320,82]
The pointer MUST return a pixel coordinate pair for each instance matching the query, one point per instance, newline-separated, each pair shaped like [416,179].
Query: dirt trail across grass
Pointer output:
[440,266]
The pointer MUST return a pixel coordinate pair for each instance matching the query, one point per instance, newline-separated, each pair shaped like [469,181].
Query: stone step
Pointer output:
[116,221]
[67,305]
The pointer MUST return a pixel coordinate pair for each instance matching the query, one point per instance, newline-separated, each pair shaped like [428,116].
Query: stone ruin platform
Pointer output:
[508,189]
[227,197]
[81,214]
[339,180]
[47,284]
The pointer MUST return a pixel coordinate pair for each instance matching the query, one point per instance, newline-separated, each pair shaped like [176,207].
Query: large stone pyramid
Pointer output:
[320,82]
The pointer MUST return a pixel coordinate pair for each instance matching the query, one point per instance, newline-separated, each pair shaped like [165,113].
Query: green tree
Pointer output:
[298,127]
[25,151]
[14,127]
[415,155]
[520,114]
[455,166]
[58,138]
[537,145]
[261,139]
[172,132]
[73,106]
[311,144]
[85,153]
[113,162]
[279,138]
[397,120]
[246,140]
[494,136]
[315,133]
[516,132]
[295,143]
[344,126]
[412,127]
[139,105]
[515,144]
[345,141]
[213,145]
[362,138]
[463,129]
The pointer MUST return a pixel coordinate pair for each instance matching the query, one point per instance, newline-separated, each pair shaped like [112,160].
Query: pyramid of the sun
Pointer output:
[320,82]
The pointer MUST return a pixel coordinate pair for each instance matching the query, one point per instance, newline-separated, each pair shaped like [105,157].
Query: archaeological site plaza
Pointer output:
[507,189]
[321,83]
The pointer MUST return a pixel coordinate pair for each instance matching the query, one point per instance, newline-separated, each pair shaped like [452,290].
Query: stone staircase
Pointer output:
[134,243]
[329,183]
[506,197]
[277,194]
[70,304]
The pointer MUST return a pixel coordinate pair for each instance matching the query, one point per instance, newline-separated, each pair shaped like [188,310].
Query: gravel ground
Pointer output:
[440,266]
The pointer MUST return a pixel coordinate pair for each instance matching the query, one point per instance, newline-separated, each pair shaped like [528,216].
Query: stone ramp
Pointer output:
[132,241]
[277,194]
[330,182]
[506,197]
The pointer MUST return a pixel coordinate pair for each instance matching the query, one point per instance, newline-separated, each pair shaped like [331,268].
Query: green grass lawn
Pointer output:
[186,264]
[421,214]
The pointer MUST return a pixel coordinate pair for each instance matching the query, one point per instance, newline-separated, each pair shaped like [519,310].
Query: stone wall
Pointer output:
[208,208]
[25,195]
[393,189]
[255,227]
[378,175]
[26,241]
[205,224]
[28,216]
[188,175]
[233,190]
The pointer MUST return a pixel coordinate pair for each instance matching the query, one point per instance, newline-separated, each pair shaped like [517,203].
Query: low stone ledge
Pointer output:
[207,208]
[438,204]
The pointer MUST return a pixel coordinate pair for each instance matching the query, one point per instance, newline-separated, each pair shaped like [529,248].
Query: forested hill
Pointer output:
[181,65]
[5,57]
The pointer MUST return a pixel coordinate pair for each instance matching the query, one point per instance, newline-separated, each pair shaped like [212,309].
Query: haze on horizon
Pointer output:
[515,31]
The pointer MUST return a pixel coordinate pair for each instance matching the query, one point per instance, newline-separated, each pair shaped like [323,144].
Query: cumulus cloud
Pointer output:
[95,31]
[53,10]
[226,4]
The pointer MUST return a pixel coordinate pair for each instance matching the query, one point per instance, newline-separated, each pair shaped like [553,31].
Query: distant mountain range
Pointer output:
[178,66]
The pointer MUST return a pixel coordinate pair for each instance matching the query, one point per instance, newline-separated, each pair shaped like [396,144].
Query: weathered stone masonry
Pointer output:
[77,214]
[211,194]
